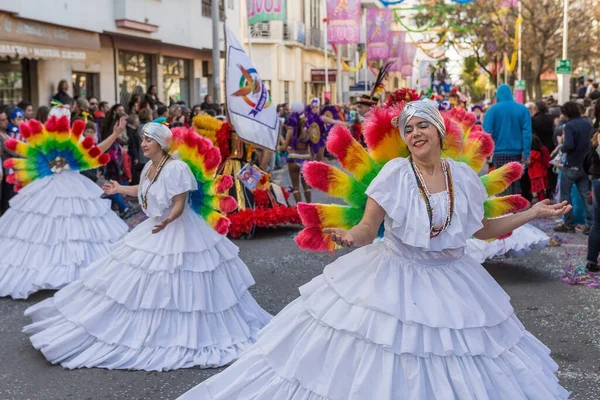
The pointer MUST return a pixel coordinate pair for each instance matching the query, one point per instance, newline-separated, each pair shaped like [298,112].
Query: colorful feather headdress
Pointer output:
[51,148]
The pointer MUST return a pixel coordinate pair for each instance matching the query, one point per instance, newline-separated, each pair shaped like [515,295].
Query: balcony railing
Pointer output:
[261,30]
[314,37]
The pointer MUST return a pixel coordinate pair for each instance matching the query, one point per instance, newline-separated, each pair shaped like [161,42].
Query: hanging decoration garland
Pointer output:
[348,68]
[510,66]
[428,51]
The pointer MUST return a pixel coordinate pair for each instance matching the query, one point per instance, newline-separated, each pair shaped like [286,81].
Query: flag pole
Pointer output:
[225,110]
[326,62]
[248,5]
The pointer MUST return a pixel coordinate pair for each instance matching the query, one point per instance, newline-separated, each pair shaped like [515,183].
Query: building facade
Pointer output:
[109,49]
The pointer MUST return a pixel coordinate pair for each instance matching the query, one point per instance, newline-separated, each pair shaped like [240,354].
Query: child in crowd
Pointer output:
[538,169]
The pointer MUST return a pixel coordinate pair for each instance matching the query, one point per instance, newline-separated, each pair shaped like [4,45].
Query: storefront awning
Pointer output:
[22,38]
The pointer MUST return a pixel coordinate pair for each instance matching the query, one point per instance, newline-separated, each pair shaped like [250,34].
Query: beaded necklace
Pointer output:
[144,196]
[435,231]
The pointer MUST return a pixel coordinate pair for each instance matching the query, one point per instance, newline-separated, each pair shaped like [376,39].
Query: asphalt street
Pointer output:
[566,318]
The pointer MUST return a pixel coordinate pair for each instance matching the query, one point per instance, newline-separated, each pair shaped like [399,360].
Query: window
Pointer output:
[176,80]
[315,14]
[286,92]
[11,81]
[85,84]
[207,9]
[134,74]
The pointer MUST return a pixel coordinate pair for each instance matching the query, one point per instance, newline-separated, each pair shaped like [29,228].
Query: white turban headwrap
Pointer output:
[426,109]
[160,133]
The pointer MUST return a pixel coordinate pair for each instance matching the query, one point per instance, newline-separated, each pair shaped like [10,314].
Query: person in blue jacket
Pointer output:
[15,118]
[509,123]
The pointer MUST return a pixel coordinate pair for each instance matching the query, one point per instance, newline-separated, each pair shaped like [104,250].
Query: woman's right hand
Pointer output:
[120,126]
[112,187]
[340,236]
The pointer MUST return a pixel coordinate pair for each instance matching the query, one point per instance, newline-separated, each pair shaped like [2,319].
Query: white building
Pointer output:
[108,49]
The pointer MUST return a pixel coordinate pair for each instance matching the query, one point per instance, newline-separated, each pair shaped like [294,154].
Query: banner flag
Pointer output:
[397,43]
[249,105]
[265,10]
[343,21]
[379,22]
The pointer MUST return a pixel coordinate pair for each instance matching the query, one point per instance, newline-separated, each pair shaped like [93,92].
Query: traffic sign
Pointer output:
[519,85]
[564,67]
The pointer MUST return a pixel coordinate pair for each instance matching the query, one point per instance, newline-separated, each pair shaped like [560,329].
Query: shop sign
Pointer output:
[23,51]
[318,75]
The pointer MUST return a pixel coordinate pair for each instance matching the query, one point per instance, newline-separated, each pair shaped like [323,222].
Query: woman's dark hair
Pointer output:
[150,89]
[541,106]
[570,110]
[109,122]
[135,98]
[42,114]
[145,115]
[61,84]
[23,105]
[597,114]
[536,143]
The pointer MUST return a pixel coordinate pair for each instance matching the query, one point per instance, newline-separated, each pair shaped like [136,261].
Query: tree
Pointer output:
[489,30]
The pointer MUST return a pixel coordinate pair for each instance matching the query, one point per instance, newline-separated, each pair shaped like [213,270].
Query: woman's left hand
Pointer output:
[544,209]
[160,226]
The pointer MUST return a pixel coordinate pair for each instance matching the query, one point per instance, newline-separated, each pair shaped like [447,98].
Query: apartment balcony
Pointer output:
[315,38]
[288,32]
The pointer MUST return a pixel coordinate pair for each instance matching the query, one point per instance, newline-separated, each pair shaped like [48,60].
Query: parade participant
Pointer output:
[173,292]
[296,143]
[316,129]
[57,224]
[261,202]
[412,317]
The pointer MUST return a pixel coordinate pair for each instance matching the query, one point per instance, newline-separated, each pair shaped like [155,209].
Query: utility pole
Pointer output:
[216,53]
[564,90]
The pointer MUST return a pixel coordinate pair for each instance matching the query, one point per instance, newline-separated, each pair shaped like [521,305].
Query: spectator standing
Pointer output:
[42,114]
[14,120]
[593,170]
[209,105]
[6,189]
[27,109]
[62,95]
[509,123]
[595,94]
[162,111]
[133,105]
[82,111]
[94,105]
[151,98]
[542,126]
[589,88]
[582,90]
[134,143]
[576,145]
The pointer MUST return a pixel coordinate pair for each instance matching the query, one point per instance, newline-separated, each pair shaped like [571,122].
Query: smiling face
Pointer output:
[422,138]
[150,147]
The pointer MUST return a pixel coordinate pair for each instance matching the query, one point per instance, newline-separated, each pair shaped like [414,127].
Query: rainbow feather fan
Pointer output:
[464,142]
[203,158]
[49,149]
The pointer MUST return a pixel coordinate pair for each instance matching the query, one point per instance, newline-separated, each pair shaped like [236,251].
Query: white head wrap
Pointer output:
[160,133]
[426,109]
[297,107]
[60,111]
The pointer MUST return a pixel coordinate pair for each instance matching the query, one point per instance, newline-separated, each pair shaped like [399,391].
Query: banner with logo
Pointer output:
[408,58]
[378,33]
[397,42]
[265,10]
[343,21]
[249,106]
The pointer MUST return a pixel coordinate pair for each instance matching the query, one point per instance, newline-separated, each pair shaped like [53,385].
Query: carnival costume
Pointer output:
[264,205]
[522,240]
[412,317]
[314,125]
[174,299]
[57,224]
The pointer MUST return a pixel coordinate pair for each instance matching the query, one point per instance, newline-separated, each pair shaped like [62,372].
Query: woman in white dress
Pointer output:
[410,318]
[171,294]
[58,223]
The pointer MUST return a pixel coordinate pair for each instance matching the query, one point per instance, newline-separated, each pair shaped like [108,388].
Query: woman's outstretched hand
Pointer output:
[340,236]
[544,209]
[111,187]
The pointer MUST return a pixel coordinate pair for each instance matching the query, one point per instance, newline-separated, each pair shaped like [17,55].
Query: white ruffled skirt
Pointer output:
[55,226]
[375,325]
[164,301]
[522,241]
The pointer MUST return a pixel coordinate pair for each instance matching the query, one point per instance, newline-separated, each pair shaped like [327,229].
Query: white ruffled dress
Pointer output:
[522,241]
[408,318]
[163,301]
[55,227]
